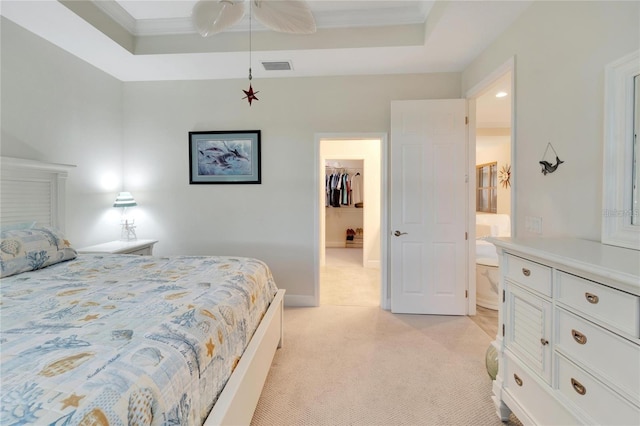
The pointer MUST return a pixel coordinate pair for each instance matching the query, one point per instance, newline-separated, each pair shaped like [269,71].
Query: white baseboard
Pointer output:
[299,301]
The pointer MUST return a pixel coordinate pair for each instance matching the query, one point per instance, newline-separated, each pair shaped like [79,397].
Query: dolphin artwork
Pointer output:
[547,167]
[223,157]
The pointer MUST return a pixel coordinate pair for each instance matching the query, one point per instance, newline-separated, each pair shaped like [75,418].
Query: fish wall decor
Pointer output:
[548,167]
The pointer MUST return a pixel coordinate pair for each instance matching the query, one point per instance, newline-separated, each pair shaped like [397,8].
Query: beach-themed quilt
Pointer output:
[126,340]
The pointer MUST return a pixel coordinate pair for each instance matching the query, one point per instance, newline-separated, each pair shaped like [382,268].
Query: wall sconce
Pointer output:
[128,231]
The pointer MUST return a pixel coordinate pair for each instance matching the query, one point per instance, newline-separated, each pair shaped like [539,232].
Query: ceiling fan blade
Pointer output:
[213,16]
[286,16]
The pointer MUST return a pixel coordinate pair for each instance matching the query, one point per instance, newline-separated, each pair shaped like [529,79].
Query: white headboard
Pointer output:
[33,191]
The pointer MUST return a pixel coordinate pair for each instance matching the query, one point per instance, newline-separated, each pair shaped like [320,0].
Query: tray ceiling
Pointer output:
[154,40]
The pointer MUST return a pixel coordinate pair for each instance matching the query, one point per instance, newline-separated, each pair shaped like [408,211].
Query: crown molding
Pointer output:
[165,26]
[116,12]
[399,15]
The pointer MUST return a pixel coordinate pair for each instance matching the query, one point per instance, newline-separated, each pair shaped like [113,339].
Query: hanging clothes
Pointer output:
[327,190]
[344,193]
[356,189]
[335,190]
[342,189]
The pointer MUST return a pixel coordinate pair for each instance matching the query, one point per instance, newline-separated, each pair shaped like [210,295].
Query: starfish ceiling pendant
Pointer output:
[250,95]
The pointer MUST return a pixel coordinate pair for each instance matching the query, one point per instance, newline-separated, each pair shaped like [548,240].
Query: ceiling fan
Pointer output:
[288,16]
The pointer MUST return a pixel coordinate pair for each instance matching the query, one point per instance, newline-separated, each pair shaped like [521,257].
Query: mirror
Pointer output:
[621,168]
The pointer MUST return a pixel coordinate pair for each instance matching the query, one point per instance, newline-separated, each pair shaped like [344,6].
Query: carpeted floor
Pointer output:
[344,281]
[353,365]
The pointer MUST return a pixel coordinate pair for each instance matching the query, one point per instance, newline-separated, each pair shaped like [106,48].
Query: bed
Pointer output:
[122,339]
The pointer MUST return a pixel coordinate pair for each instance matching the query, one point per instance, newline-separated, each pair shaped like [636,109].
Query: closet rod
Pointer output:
[343,168]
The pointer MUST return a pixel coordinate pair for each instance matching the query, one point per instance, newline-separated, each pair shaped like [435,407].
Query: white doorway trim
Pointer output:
[471,95]
[384,227]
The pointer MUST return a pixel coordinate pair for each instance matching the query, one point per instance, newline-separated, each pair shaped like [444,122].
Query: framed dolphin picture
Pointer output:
[219,157]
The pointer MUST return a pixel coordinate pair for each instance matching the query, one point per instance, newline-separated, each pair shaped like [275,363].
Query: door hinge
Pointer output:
[466,294]
[502,330]
[466,120]
[466,236]
[504,296]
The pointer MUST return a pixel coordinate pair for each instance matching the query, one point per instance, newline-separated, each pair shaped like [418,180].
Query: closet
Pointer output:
[349,268]
[344,203]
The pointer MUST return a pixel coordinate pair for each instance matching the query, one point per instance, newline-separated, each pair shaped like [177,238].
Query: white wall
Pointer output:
[561,49]
[273,221]
[57,108]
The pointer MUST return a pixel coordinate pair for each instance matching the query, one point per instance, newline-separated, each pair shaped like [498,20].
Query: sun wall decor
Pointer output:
[504,176]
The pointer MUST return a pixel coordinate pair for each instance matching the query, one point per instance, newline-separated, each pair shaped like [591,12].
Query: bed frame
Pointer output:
[34,190]
[239,398]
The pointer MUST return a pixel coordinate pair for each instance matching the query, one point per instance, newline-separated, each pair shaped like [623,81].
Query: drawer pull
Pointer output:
[517,379]
[544,341]
[591,298]
[579,337]
[526,272]
[578,387]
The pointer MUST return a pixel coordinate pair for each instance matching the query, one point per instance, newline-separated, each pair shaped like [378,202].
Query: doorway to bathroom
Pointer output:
[492,108]
[350,271]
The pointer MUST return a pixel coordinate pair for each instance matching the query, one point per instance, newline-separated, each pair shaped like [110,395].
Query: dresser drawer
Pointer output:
[537,399]
[612,358]
[141,252]
[612,307]
[528,274]
[593,400]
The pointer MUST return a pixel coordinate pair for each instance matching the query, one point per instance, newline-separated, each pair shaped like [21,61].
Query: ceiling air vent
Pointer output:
[277,65]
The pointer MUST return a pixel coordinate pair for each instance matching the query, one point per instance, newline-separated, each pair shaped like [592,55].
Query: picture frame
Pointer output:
[225,157]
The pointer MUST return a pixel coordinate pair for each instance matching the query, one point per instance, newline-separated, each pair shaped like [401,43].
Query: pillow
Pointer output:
[30,249]
[14,226]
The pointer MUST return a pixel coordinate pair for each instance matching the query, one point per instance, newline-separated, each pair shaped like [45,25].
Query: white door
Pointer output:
[428,207]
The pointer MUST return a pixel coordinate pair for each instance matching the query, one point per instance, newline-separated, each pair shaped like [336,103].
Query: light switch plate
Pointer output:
[533,224]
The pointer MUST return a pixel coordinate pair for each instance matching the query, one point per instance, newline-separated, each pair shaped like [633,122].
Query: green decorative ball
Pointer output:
[491,360]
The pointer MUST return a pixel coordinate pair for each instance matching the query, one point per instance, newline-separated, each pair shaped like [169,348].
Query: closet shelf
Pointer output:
[344,208]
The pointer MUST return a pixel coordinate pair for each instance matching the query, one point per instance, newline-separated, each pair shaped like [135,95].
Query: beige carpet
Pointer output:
[349,286]
[350,365]
[344,281]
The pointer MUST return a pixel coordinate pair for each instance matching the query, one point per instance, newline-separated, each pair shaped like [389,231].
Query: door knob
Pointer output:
[398,233]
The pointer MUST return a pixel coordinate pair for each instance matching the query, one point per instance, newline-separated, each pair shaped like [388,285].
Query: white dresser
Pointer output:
[569,337]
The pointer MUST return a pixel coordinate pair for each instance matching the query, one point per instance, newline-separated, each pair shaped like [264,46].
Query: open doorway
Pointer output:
[491,107]
[350,271]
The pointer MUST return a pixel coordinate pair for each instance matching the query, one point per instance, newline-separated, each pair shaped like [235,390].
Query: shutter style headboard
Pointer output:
[33,191]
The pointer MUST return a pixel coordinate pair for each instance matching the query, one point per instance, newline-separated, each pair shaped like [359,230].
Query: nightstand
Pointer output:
[139,247]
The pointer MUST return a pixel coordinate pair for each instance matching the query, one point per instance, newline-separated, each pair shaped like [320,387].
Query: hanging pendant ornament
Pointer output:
[547,167]
[250,95]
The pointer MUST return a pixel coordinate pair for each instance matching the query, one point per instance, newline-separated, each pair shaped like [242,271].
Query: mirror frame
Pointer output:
[617,187]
